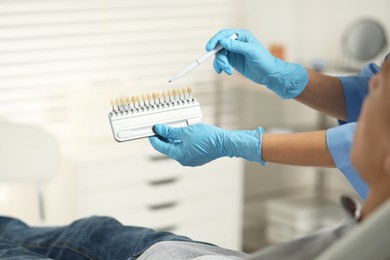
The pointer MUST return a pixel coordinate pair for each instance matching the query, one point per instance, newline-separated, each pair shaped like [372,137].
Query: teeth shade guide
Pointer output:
[133,117]
[151,101]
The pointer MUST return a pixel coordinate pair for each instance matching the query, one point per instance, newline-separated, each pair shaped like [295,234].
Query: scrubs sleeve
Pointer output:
[356,89]
[339,141]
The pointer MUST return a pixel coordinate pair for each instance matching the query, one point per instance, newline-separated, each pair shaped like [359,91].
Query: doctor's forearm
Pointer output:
[324,93]
[301,149]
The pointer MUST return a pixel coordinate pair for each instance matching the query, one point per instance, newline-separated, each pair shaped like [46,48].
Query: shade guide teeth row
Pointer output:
[151,101]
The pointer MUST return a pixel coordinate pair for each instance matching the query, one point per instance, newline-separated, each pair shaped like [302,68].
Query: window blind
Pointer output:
[47,47]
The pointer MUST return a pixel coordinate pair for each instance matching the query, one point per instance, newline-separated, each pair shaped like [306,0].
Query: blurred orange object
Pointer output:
[277,50]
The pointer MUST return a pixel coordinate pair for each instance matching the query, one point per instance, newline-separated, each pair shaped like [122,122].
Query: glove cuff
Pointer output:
[245,144]
[289,81]
[261,132]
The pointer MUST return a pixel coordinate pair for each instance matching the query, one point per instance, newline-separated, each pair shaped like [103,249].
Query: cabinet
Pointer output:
[138,186]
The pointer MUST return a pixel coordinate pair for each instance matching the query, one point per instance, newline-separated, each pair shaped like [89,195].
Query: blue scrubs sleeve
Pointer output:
[356,89]
[339,140]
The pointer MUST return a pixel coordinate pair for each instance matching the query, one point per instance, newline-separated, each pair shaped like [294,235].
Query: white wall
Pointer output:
[310,28]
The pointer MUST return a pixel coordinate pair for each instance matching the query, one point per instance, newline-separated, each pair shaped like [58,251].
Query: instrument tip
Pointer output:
[170,81]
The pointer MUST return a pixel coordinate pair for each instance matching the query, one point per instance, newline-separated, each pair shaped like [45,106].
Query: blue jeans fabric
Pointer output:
[89,238]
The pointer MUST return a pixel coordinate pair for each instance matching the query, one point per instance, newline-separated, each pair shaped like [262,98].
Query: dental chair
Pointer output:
[368,240]
[28,154]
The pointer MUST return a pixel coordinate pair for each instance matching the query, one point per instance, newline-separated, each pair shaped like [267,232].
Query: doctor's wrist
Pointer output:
[289,80]
[245,144]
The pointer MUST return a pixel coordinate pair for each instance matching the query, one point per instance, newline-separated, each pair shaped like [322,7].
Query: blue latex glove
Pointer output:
[251,59]
[199,144]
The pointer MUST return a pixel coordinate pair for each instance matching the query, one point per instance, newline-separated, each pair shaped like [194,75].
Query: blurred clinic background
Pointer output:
[63,61]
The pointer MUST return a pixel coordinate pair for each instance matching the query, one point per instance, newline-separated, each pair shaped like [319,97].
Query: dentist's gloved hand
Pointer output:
[251,59]
[199,144]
